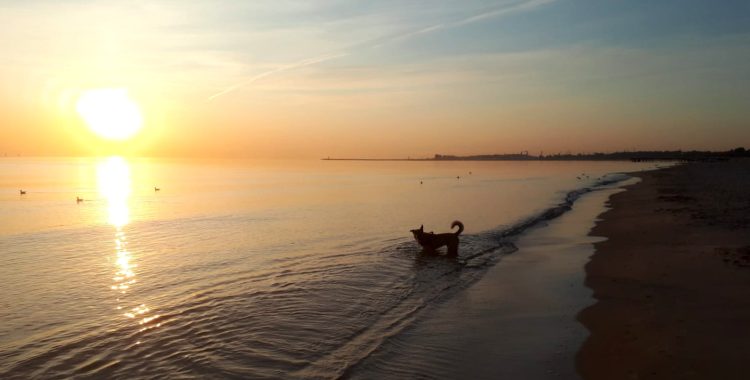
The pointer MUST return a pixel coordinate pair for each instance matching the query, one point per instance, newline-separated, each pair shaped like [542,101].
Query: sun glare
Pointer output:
[113,177]
[110,113]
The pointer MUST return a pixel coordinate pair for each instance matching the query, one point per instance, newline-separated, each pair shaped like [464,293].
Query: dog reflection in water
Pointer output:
[431,241]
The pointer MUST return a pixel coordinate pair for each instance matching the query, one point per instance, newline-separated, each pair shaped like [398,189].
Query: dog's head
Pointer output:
[418,232]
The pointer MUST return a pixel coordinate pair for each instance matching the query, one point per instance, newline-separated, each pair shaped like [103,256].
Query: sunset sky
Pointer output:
[310,79]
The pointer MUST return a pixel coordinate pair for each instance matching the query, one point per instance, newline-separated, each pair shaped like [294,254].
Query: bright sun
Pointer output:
[110,113]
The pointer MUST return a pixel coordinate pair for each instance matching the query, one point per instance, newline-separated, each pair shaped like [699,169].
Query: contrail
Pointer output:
[302,63]
[528,5]
[497,12]
[494,13]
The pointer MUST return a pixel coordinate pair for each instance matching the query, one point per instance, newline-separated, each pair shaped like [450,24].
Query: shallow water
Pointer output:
[245,268]
[519,321]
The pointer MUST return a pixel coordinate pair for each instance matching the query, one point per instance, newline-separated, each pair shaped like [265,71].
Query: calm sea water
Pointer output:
[245,269]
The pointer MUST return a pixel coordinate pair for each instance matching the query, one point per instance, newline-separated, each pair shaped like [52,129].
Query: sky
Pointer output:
[320,78]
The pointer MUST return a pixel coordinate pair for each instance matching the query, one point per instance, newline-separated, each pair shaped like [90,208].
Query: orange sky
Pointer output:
[323,78]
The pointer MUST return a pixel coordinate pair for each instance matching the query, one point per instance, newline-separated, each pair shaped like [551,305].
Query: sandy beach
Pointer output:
[672,280]
[517,322]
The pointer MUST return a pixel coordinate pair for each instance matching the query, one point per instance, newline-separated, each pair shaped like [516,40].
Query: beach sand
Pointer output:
[517,322]
[672,280]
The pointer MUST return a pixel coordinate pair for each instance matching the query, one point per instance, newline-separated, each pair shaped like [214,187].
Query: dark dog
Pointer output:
[431,241]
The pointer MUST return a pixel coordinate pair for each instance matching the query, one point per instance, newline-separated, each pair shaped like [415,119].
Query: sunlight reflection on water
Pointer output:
[114,183]
[113,180]
[242,269]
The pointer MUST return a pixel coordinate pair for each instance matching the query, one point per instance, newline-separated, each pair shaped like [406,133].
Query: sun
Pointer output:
[110,113]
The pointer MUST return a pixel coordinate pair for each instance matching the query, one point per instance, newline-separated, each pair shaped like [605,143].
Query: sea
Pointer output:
[144,268]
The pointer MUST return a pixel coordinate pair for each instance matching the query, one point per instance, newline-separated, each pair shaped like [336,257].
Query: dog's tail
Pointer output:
[460,227]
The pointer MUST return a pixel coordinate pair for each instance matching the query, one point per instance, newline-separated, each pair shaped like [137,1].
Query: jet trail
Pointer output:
[370,44]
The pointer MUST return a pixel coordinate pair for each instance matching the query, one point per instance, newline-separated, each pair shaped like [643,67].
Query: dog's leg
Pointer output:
[453,249]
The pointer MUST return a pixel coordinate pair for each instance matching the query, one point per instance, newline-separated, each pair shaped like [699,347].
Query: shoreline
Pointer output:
[518,321]
[672,280]
[522,159]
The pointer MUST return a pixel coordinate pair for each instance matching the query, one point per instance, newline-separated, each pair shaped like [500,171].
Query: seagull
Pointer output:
[156,188]
[420,182]
[79,199]
[22,192]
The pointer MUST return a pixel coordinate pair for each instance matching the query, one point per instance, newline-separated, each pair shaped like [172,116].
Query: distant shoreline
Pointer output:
[636,156]
[501,159]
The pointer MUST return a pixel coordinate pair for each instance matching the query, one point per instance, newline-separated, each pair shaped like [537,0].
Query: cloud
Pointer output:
[375,43]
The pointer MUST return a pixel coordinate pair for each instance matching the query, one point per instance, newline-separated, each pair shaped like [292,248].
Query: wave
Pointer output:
[437,279]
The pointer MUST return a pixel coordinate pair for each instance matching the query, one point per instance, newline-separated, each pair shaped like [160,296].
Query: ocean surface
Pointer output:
[247,269]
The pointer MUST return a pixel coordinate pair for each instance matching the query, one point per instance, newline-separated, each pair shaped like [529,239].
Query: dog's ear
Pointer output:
[421,228]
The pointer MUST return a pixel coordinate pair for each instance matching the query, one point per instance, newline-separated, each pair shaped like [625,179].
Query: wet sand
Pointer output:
[672,281]
[517,322]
